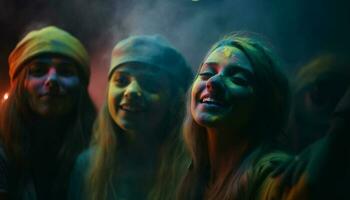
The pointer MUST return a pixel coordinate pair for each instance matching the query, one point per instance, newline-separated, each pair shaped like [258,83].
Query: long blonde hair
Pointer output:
[104,160]
[15,123]
[272,91]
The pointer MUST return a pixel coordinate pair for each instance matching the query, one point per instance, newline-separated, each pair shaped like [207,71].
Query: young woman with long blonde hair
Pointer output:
[238,107]
[47,119]
[136,152]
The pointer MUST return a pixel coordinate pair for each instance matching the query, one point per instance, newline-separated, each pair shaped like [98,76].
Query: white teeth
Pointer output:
[208,100]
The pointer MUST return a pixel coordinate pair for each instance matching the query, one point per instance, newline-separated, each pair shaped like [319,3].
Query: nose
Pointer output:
[215,84]
[133,90]
[52,78]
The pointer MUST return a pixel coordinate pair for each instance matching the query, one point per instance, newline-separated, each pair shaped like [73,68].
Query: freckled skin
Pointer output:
[226,76]
[139,98]
[52,85]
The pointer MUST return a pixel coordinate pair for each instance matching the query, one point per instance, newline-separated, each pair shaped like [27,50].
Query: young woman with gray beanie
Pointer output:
[136,152]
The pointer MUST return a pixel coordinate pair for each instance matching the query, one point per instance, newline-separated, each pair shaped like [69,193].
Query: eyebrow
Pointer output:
[207,65]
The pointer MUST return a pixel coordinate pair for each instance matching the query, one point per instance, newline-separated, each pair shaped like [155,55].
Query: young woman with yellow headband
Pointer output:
[46,121]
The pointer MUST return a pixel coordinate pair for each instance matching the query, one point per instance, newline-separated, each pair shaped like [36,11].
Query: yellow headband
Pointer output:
[49,40]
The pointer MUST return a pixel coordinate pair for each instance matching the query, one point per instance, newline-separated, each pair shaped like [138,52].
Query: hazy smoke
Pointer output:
[298,29]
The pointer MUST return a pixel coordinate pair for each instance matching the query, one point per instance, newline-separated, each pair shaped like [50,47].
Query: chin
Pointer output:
[126,126]
[207,120]
[123,125]
[45,111]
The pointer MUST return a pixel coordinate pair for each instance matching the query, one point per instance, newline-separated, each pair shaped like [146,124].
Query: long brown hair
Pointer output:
[272,91]
[172,161]
[15,121]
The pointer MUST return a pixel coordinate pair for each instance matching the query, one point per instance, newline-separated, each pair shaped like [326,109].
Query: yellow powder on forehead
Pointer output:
[222,53]
[227,51]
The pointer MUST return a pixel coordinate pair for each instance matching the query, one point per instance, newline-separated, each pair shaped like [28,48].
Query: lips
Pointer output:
[131,108]
[208,99]
[51,95]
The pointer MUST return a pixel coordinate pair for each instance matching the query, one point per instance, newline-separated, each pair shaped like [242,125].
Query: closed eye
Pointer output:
[240,81]
[205,75]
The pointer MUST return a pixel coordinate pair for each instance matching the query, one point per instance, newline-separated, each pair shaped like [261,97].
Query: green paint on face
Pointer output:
[223,93]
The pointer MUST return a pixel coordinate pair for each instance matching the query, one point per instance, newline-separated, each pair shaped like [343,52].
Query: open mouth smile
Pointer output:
[212,101]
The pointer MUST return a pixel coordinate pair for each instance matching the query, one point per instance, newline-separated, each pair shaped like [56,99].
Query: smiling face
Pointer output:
[223,92]
[52,83]
[138,97]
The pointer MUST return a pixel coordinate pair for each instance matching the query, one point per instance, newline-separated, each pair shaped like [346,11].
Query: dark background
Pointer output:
[297,29]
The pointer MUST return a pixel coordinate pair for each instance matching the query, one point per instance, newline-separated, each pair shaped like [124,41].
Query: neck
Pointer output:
[48,133]
[140,149]
[49,126]
[226,150]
